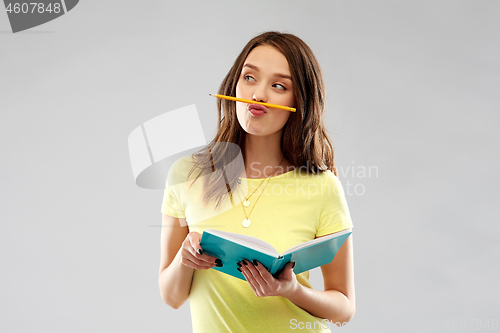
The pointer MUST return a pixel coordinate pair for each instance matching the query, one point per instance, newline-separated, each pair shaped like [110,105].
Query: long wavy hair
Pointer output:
[304,142]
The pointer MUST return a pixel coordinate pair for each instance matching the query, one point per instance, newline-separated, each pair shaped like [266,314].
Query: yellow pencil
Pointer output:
[275,106]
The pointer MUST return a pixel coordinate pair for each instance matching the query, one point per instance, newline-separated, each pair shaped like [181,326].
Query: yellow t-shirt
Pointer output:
[293,208]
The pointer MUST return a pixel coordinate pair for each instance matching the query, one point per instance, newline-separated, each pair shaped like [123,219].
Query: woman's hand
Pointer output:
[192,254]
[264,284]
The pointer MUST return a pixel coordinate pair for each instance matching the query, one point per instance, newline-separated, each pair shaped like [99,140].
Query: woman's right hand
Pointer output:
[192,254]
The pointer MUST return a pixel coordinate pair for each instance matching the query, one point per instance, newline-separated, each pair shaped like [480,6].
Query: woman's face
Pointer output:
[265,77]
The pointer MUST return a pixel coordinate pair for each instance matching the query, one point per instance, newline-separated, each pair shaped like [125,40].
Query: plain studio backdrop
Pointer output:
[412,108]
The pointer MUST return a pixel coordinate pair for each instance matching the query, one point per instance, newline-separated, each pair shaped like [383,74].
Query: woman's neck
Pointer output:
[263,155]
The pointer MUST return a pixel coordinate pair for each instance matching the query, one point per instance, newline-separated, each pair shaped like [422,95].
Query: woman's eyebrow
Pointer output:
[255,68]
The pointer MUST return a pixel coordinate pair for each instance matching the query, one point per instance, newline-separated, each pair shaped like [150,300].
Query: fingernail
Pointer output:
[200,251]
[293,265]
[218,262]
[255,263]
[245,262]
[238,269]
[239,265]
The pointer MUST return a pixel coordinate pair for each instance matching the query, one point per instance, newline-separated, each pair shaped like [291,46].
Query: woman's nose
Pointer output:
[260,94]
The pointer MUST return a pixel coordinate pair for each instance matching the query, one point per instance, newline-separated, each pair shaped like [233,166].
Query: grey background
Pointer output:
[412,90]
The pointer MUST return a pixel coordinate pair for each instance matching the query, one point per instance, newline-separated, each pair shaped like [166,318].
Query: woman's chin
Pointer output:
[255,132]
[253,129]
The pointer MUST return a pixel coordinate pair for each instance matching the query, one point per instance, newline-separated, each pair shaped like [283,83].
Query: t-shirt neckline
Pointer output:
[281,175]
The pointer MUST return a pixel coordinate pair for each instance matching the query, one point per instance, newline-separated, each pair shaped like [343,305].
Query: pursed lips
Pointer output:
[257,107]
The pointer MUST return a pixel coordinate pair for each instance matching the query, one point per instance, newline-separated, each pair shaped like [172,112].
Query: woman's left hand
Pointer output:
[264,284]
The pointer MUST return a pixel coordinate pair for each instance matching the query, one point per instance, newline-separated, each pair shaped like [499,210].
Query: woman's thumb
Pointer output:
[289,268]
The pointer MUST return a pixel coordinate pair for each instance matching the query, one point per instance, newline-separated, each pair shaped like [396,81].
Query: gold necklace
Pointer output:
[246,202]
[246,221]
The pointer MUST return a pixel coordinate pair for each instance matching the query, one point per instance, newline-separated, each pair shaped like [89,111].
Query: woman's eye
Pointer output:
[248,77]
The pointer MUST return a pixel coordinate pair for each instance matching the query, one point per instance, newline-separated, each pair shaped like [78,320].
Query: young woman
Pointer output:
[293,196]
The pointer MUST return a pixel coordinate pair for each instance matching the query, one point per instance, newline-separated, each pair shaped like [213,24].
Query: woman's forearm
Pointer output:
[328,304]
[175,282]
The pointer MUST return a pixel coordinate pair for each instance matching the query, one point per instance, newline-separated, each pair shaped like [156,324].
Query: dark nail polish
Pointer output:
[245,262]
[218,262]
[238,263]
[255,263]
[293,265]
[238,269]
[200,251]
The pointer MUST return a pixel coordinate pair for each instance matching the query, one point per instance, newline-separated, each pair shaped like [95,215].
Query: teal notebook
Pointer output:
[231,248]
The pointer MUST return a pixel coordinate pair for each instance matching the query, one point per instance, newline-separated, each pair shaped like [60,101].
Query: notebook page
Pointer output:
[249,241]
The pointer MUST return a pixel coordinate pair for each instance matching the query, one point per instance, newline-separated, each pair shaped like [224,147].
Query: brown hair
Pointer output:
[304,142]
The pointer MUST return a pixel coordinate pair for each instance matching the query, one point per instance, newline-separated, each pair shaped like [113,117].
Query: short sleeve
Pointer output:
[171,204]
[334,214]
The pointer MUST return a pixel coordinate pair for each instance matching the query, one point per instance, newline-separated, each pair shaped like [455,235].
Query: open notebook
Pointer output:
[231,248]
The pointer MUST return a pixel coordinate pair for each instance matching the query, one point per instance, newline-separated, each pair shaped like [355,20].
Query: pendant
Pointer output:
[246,203]
[246,223]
